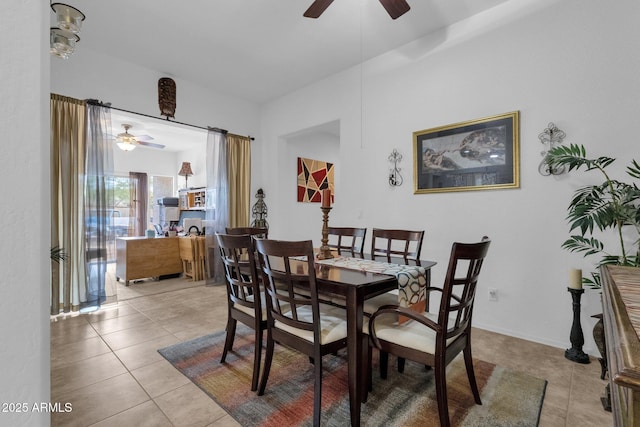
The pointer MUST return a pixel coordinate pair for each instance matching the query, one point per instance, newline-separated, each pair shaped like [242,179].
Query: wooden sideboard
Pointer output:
[141,257]
[621,316]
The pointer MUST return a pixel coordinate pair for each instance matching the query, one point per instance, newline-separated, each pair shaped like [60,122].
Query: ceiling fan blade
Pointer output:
[316,8]
[150,144]
[395,8]
[145,138]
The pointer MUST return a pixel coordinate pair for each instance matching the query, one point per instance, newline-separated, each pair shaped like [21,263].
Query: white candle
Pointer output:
[575,278]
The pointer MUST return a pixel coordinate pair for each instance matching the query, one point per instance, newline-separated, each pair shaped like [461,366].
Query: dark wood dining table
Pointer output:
[357,286]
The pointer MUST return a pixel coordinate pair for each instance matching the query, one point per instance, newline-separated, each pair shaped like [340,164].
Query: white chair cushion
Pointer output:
[250,311]
[372,304]
[410,334]
[263,305]
[333,326]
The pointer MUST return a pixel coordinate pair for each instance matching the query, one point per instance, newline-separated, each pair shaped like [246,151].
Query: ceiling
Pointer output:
[257,50]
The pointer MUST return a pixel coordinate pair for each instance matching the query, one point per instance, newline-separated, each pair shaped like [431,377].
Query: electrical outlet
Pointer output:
[493,294]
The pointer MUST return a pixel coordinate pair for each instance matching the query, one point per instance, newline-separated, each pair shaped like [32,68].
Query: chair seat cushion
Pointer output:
[372,304]
[333,325]
[250,310]
[409,334]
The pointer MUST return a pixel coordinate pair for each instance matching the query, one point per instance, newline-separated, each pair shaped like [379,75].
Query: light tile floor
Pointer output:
[107,366]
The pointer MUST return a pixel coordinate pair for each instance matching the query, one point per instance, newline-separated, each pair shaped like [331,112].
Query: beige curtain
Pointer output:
[239,162]
[68,147]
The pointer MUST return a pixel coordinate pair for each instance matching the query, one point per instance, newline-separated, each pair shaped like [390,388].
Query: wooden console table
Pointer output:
[141,257]
[621,316]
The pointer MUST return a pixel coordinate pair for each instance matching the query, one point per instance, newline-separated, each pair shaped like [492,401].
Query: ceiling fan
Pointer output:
[395,8]
[128,142]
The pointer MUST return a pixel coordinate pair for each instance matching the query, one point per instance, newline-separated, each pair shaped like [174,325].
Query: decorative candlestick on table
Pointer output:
[575,353]
[325,250]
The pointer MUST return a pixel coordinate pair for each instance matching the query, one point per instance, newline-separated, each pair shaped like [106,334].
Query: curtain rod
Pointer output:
[207,128]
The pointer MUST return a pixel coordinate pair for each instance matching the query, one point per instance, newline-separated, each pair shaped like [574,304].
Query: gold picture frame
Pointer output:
[481,154]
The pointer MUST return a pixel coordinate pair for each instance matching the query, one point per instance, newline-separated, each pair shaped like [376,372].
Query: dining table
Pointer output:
[356,286]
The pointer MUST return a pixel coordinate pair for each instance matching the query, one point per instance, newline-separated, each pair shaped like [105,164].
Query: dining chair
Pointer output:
[245,302]
[349,240]
[405,244]
[298,322]
[391,246]
[259,232]
[435,339]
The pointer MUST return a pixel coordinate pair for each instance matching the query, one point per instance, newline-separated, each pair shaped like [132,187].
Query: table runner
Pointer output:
[412,280]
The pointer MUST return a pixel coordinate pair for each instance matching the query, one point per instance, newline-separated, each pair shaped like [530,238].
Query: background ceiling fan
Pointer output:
[128,142]
[395,8]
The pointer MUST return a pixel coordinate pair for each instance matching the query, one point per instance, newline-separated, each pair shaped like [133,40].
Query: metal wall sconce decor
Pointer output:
[551,136]
[395,179]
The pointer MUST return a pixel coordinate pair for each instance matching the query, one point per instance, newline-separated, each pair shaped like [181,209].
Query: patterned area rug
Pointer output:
[509,398]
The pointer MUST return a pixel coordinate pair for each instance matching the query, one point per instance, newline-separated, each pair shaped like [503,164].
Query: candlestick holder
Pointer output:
[325,250]
[575,353]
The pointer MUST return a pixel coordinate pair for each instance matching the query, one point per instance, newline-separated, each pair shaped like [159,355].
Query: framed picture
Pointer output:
[313,177]
[479,154]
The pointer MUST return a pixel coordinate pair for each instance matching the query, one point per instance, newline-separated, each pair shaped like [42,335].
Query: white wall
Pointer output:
[570,62]
[316,145]
[24,251]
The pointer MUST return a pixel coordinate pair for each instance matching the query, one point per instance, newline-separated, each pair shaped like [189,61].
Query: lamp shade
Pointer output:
[185,170]
[62,43]
[69,18]
[126,146]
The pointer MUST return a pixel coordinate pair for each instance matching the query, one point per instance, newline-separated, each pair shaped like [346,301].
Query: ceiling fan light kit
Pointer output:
[395,8]
[63,38]
[128,142]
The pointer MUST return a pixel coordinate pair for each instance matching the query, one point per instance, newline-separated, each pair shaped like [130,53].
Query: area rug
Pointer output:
[509,398]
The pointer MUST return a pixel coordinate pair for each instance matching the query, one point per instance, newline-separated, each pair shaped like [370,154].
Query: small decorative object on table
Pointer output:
[575,353]
[325,250]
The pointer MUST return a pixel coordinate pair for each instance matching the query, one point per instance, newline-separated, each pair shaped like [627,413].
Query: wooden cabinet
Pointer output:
[194,199]
[621,316]
[141,257]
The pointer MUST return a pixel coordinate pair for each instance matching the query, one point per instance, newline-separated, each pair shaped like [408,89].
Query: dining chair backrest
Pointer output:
[259,232]
[405,244]
[238,258]
[348,240]
[245,301]
[296,320]
[459,289]
[284,271]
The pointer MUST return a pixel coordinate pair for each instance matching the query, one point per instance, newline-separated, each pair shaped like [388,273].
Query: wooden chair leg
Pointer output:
[257,355]
[441,394]
[267,364]
[401,361]
[384,364]
[231,334]
[468,361]
[317,392]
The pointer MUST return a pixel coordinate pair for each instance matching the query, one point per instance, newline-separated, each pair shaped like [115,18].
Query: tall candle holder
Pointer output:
[325,250]
[575,353]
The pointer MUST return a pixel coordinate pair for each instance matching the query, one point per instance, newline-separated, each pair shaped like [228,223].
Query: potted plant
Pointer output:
[609,206]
